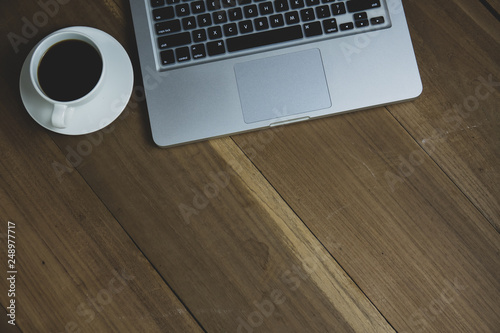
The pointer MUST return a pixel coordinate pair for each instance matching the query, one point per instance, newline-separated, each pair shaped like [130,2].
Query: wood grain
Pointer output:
[494,4]
[77,268]
[372,175]
[401,230]
[236,242]
[376,221]
[482,17]
[5,327]
[458,49]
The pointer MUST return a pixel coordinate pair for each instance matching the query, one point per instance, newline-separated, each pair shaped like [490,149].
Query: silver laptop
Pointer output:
[217,67]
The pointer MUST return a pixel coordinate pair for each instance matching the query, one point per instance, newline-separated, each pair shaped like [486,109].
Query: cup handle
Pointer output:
[60,115]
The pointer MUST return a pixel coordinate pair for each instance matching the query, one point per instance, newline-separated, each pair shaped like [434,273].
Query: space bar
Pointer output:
[264,38]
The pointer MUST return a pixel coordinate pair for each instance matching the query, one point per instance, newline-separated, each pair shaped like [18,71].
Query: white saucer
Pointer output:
[99,112]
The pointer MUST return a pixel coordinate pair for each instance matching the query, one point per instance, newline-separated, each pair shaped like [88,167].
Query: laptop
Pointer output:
[214,68]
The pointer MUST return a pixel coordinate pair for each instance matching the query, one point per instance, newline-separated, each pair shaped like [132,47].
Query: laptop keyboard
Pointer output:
[194,31]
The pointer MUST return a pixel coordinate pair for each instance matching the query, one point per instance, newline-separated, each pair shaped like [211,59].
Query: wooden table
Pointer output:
[376,221]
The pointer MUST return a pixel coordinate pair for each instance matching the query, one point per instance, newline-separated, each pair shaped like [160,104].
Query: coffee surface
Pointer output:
[69,70]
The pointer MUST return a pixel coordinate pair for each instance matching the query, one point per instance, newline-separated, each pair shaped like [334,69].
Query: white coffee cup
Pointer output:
[63,111]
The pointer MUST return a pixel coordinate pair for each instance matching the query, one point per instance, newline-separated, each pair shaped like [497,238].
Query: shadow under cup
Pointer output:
[69,69]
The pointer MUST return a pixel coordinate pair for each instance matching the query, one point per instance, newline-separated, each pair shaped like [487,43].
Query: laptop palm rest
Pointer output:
[281,86]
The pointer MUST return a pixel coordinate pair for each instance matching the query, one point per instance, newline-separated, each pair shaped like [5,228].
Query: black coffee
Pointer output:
[69,70]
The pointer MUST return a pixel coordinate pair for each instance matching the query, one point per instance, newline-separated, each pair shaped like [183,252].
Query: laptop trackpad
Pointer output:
[282,85]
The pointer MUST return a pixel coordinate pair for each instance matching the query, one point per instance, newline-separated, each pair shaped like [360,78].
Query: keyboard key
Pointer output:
[322,12]
[346,26]
[198,51]
[307,14]
[327,1]
[220,17]
[228,3]
[296,4]
[250,11]
[182,54]
[261,23]
[264,38]
[189,23]
[197,7]
[245,26]
[312,29]
[213,4]
[230,29]
[377,20]
[360,16]
[157,3]
[338,8]
[164,13]
[292,18]
[172,2]
[168,27]
[281,6]
[199,35]
[204,20]
[312,2]
[214,32]
[182,9]
[361,23]
[276,20]
[167,57]
[235,14]
[215,48]
[361,5]
[330,26]
[175,40]
[266,8]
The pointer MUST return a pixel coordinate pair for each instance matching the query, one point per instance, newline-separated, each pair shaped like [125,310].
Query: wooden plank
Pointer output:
[456,119]
[409,238]
[493,6]
[383,190]
[226,273]
[231,276]
[222,238]
[77,269]
[5,327]
[483,16]
[26,22]
[424,235]
[244,254]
